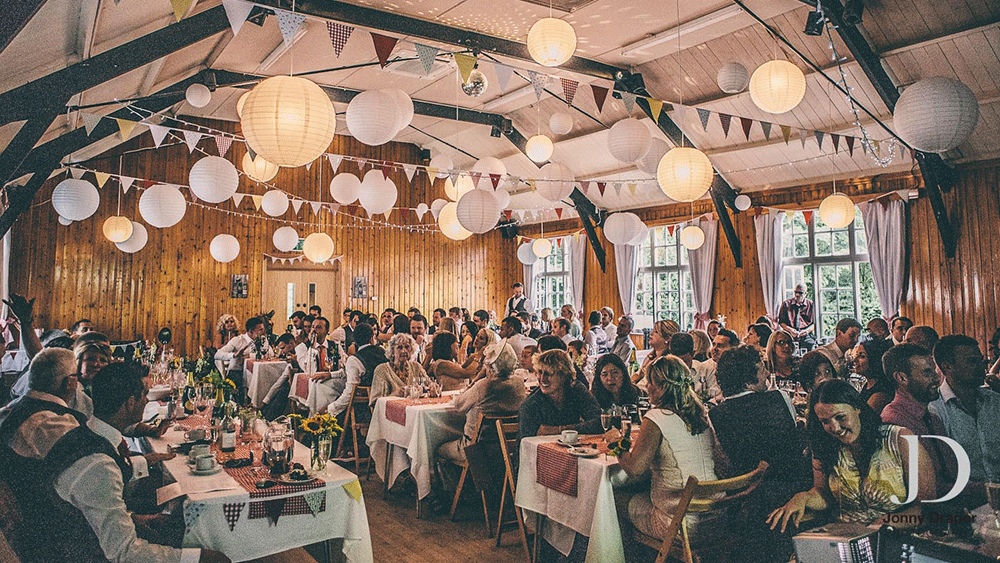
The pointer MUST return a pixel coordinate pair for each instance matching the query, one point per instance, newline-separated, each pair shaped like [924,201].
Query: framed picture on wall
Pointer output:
[240,286]
[359,290]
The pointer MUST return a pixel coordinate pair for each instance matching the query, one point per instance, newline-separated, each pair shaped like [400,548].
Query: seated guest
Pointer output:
[879,387]
[466,337]
[611,384]
[447,324]
[274,403]
[316,311]
[418,330]
[846,337]
[779,356]
[858,463]
[561,328]
[622,345]
[551,342]
[815,368]
[528,327]
[296,322]
[900,325]
[392,377]
[547,317]
[568,312]
[705,382]
[577,353]
[401,324]
[226,329]
[528,360]
[922,336]
[456,314]
[360,367]
[713,328]
[81,327]
[608,324]
[443,367]
[560,402]
[757,336]
[596,339]
[659,342]
[241,347]
[702,344]
[383,332]
[90,358]
[436,316]
[474,361]
[511,331]
[878,329]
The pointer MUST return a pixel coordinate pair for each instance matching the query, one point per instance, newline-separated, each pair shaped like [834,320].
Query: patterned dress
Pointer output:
[864,503]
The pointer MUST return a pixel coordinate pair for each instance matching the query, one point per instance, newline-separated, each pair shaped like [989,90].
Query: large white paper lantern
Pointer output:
[436,206]
[288,120]
[345,188]
[378,194]
[224,248]
[503,198]
[936,114]
[240,102]
[777,86]
[551,41]
[136,242]
[285,239]
[837,210]
[733,78]
[198,95]
[404,108]
[525,254]
[117,228]
[75,199]
[628,140]
[641,234]
[371,117]
[463,184]
[478,211]
[214,179]
[651,160]
[443,164]
[448,222]
[556,183]
[539,148]
[490,165]
[692,237]
[561,123]
[65,222]
[542,247]
[258,169]
[274,203]
[622,227]
[318,247]
[684,174]
[742,202]
[162,206]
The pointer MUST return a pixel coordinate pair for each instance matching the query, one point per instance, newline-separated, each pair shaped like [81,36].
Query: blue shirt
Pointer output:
[979,434]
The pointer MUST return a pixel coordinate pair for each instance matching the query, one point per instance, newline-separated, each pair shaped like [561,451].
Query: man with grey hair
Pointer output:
[623,345]
[798,317]
[608,323]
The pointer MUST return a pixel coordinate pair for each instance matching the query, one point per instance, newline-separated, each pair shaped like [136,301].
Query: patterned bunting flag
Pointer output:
[352,209]
[786,132]
[385,171]
[600,95]
[465,65]
[222,143]
[503,73]
[746,123]
[126,183]
[725,119]
[191,138]
[158,132]
[601,186]
[181,8]
[334,160]
[802,138]
[410,170]
[538,82]
[315,205]
[237,12]
[628,99]
[631,187]
[232,510]
[850,145]
[618,188]
[361,164]
[569,89]
[585,186]
[383,47]
[495,180]
[288,24]
[476,177]
[703,115]
[102,178]
[819,139]
[339,34]
[655,107]
[90,120]
[192,510]
[125,127]
[766,127]
[427,56]
[836,141]
[315,499]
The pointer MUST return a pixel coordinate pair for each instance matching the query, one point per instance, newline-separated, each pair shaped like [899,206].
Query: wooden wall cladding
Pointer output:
[77,273]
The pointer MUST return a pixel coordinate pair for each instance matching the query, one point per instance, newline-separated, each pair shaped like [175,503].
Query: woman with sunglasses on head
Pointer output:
[779,356]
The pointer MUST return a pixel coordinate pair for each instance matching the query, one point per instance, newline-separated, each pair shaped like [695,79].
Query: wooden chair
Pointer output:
[484,431]
[357,426]
[700,497]
[507,434]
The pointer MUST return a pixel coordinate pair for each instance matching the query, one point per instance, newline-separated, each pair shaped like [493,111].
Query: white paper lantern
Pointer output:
[936,114]
[777,86]
[556,183]
[65,222]
[318,247]
[551,41]
[692,237]
[561,123]
[478,211]
[503,198]
[198,95]
[290,121]
[258,169]
[404,108]
[436,206]
[136,242]
[542,247]
[621,228]
[378,194]
[162,206]
[274,203]
[117,228]
[539,148]
[684,174]
[75,199]
[448,222]
[371,117]
[628,140]
[422,209]
[224,248]
[462,186]
[490,165]
[214,179]
[837,210]
[641,235]
[285,239]
[733,78]
[345,188]
[651,160]
[240,102]
[443,164]
[525,254]
[743,202]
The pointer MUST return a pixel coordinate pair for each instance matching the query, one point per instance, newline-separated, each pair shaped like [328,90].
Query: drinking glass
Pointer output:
[606,424]
[257,449]
[993,497]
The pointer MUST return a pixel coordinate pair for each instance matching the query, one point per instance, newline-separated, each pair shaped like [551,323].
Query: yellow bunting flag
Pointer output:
[354,489]
[655,106]
[256,201]
[181,8]
[631,188]
[125,127]
[465,65]
[432,173]
[102,177]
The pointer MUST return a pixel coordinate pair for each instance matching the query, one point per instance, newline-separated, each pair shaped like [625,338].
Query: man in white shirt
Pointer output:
[561,328]
[315,358]
[517,302]
[418,330]
[595,338]
[608,323]
[682,346]
[511,329]
[359,370]
[241,347]
[848,331]
[622,346]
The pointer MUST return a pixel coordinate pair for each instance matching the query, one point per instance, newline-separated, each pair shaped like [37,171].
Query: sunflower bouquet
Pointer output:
[316,426]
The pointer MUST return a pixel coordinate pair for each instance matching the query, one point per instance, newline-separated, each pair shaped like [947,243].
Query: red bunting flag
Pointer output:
[559,212]
[146,184]
[559,242]
[385,171]
[569,89]
[584,186]
[726,120]
[600,94]
[339,34]
[601,186]
[670,229]
[352,209]
[746,123]
[383,47]
[506,213]
[757,211]
[495,180]
[808,215]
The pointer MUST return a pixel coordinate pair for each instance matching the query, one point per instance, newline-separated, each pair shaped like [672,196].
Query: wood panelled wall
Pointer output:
[76,273]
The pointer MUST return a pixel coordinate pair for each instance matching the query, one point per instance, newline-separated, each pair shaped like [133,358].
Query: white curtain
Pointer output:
[702,264]
[528,270]
[626,267]
[768,229]
[577,252]
[885,231]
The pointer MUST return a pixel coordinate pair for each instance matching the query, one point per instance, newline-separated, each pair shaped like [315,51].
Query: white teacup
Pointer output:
[570,436]
[195,434]
[199,450]
[205,462]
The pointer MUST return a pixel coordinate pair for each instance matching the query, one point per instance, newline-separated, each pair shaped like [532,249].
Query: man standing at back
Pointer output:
[517,303]
[797,316]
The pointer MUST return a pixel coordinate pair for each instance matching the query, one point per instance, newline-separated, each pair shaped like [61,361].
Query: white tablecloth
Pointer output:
[427,427]
[344,516]
[260,376]
[591,512]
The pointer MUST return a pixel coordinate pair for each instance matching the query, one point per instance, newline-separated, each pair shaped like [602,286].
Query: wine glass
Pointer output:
[606,424]
[993,497]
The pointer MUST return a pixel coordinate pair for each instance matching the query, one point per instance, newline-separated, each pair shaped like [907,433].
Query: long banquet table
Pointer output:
[260,376]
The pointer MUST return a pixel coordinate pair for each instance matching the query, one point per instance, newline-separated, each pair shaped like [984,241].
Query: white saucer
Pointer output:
[212,471]
[583,452]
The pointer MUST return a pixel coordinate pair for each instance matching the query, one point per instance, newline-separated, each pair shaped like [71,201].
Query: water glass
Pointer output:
[993,497]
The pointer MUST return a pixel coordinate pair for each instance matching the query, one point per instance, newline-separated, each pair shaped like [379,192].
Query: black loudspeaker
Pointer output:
[425,155]
[508,230]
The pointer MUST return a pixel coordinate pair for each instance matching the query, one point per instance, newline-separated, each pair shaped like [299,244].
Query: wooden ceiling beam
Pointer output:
[16,16]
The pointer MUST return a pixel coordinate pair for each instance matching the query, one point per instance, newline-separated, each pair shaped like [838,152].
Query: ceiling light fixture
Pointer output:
[693,27]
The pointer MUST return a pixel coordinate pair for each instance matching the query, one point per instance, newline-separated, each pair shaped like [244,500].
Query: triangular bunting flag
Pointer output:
[819,139]
[181,7]
[601,186]
[361,164]
[315,499]
[232,510]
[273,508]
[538,82]
[385,171]
[383,47]
[703,115]
[410,170]
[476,177]
[618,188]
[786,132]
[102,178]
[629,100]
[600,95]
[655,107]
[352,209]
[256,201]
[453,176]
[387,214]
[333,207]
[76,173]
[315,206]
[238,199]
[495,180]
[807,215]
[250,151]
[836,141]
[507,213]
[670,229]
[559,212]
[90,120]
[725,120]
[746,123]
[585,186]
[309,166]
[288,24]
[802,138]
[222,143]
[192,510]
[125,127]
[631,187]
[335,160]
[569,89]
[427,56]
[465,65]
[297,205]
[126,183]
[766,127]
[339,34]
[431,173]
[237,12]
[850,145]
[158,132]
[146,184]
[191,138]
[504,73]
[531,185]
[520,238]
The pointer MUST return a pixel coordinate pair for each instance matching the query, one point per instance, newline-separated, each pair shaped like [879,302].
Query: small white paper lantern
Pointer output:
[628,140]
[684,174]
[258,169]
[117,228]
[448,222]
[224,248]
[422,209]
[651,160]
[462,186]
[478,211]
[542,247]
[692,237]
[436,206]
[162,206]
[777,86]
[378,194]
[503,198]
[318,247]
[198,95]
[285,239]
[561,123]
[551,41]
[622,227]
[743,202]
[733,78]
[404,108]
[539,148]
[490,165]
[371,117]
[136,242]
[837,210]
[443,164]
[214,179]
[936,114]
[240,102]
[641,235]
[65,222]
[288,120]
[345,188]
[274,203]
[556,183]
[75,199]
[525,254]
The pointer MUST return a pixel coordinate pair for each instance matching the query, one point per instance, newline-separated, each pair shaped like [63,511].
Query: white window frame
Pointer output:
[655,270]
[547,272]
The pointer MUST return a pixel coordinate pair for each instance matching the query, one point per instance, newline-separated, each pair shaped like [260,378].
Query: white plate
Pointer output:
[289,481]
[202,473]
[583,452]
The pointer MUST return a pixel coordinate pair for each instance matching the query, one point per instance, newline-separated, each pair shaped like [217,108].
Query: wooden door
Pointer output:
[292,287]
